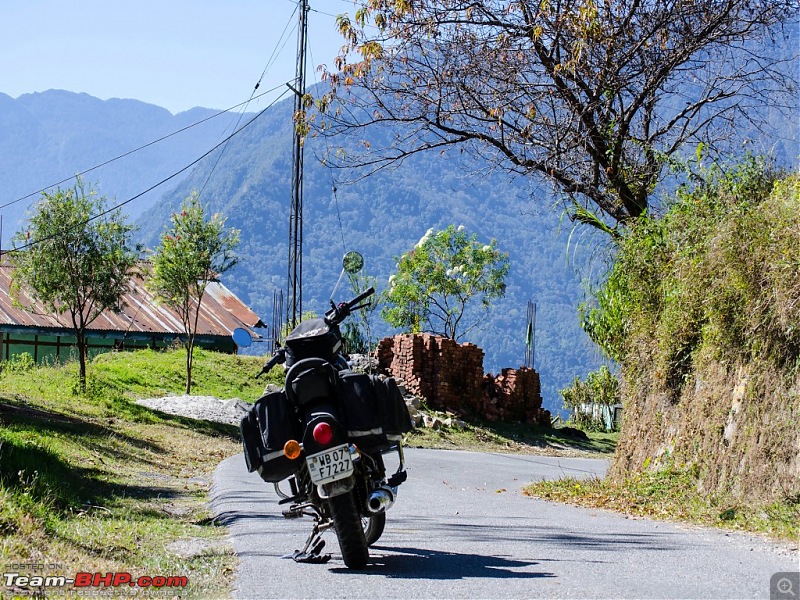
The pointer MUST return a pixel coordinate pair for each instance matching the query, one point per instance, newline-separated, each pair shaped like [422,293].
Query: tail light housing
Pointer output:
[323,433]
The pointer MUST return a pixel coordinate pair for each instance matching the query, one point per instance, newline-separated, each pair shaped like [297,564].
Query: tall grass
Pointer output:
[701,309]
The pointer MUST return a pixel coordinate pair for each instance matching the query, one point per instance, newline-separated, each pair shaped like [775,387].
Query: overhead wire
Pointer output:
[276,51]
[147,145]
[151,188]
[280,45]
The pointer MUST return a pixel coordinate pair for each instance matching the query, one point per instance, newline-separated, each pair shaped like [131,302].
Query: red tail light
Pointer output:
[323,434]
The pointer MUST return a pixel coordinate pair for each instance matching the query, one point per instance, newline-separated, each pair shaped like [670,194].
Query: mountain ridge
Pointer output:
[50,134]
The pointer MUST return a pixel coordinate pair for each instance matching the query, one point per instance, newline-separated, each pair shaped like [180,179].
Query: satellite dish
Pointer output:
[241,337]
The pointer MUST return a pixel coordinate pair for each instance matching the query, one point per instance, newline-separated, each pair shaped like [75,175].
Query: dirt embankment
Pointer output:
[735,426]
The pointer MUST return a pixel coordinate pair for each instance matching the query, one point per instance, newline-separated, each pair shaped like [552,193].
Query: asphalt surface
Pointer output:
[461,528]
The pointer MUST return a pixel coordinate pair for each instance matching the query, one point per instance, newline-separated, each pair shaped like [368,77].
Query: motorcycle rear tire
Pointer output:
[349,532]
[373,527]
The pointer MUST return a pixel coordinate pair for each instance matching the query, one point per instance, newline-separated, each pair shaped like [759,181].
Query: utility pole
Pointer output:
[294,296]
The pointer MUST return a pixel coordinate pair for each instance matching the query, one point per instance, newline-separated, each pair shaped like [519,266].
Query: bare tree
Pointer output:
[594,95]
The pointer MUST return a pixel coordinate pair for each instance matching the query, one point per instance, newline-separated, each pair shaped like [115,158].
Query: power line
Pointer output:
[128,153]
[270,61]
[275,51]
[151,188]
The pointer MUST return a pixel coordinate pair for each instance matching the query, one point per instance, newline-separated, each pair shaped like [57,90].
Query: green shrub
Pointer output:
[718,270]
[19,363]
[600,388]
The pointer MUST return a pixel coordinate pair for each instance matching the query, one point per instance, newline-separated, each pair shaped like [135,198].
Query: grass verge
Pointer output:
[93,482]
[672,494]
[517,438]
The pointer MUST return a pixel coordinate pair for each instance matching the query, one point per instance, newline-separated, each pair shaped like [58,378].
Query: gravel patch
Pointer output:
[193,547]
[206,408]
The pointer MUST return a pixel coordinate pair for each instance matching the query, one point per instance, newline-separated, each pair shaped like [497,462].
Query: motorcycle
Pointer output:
[327,432]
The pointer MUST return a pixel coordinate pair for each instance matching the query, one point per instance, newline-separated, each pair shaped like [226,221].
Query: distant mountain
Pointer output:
[50,136]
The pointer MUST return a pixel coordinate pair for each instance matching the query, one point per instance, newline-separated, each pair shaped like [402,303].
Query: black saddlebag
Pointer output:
[360,411]
[392,410]
[374,410]
[265,429]
[251,440]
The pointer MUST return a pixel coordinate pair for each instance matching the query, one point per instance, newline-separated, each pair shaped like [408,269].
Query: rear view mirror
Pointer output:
[352,262]
[241,337]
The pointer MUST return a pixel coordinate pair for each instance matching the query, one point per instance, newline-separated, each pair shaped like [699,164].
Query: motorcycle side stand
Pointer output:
[311,552]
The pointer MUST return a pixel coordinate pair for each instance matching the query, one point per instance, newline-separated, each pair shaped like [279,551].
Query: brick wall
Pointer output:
[450,377]
[447,374]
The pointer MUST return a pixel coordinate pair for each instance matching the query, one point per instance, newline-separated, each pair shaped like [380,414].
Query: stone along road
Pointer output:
[461,528]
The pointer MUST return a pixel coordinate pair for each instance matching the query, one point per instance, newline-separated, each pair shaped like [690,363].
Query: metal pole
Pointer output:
[533,342]
[530,335]
[294,305]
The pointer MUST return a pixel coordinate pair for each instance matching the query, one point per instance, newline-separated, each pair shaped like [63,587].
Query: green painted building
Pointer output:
[142,323]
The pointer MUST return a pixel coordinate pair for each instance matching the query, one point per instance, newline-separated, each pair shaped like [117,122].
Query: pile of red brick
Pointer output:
[513,395]
[438,369]
[450,377]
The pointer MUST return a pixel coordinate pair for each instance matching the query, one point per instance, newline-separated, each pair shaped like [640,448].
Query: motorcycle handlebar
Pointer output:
[361,297]
[337,314]
[279,358]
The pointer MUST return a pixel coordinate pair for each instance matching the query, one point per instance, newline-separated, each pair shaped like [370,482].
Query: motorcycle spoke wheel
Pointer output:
[349,532]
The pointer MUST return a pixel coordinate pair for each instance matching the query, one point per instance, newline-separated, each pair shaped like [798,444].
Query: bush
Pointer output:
[718,270]
[601,388]
[19,363]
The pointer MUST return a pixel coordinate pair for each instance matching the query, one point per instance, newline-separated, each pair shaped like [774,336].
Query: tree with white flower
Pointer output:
[439,281]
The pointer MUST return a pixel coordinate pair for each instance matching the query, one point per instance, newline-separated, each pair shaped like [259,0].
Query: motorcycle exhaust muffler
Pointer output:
[381,500]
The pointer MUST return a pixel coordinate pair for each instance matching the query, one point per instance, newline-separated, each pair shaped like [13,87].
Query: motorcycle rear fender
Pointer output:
[310,445]
[337,488]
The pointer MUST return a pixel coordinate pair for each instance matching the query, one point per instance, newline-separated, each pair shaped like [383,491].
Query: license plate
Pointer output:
[330,465]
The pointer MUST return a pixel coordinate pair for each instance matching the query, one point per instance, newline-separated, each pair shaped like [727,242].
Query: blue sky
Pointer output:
[176,53]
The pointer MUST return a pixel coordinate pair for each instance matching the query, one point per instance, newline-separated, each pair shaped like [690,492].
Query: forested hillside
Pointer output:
[51,136]
[383,216]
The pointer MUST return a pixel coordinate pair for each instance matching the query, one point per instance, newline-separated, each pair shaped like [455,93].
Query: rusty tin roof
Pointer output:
[220,313]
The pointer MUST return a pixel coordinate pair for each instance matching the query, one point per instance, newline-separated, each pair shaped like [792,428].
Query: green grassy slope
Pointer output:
[97,483]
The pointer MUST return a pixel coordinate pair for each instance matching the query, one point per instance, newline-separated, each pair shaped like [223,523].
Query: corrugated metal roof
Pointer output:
[220,313]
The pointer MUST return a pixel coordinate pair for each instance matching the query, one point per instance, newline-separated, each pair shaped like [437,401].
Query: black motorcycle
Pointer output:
[327,432]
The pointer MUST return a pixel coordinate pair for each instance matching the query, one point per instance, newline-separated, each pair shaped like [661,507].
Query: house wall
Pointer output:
[48,349]
[611,416]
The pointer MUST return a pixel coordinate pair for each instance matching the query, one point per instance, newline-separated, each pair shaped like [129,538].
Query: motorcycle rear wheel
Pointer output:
[349,532]
[373,527]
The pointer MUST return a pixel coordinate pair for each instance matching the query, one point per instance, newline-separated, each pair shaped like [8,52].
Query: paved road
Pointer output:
[462,529]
